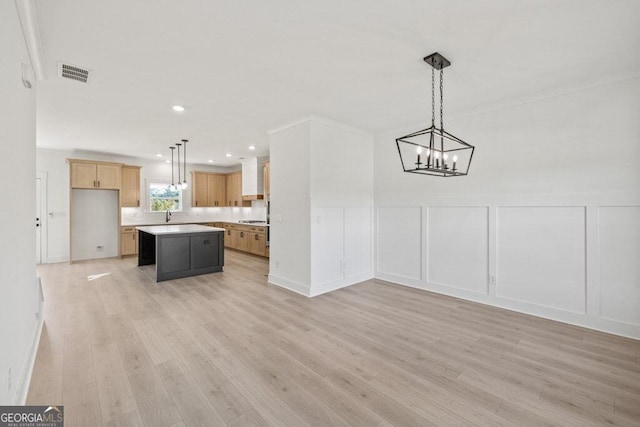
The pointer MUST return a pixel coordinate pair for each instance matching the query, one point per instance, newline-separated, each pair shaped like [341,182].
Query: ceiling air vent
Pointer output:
[73,72]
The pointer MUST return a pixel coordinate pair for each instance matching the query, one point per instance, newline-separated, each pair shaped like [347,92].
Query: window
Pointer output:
[162,198]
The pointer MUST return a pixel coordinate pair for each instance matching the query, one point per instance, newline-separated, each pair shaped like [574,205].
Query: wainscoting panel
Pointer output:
[619,248]
[327,237]
[457,247]
[357,241]
[541,256]
[398,246]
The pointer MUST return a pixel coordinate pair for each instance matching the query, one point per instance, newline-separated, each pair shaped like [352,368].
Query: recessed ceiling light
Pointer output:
[252,147]
[178,108]
[228,154]
[167,161]
[158,155]
[210,161]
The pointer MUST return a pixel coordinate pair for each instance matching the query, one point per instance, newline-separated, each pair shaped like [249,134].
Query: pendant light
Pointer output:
[172,187]
[434,151]
[179,186]
[184,180]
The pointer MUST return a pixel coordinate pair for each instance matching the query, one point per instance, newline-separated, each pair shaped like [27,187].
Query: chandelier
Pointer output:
[434,151]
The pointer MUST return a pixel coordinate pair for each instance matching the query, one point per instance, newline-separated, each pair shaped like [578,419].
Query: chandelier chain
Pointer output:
[433,97]
[441,100]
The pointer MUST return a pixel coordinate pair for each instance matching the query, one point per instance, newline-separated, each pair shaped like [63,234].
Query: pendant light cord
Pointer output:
[178,145]
[172,149]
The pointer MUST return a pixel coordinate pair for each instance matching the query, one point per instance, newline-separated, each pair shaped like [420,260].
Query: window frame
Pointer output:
[164,182]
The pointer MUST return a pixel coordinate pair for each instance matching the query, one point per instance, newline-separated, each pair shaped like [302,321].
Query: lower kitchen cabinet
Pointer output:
[258,243]
[128,241]
[246,238]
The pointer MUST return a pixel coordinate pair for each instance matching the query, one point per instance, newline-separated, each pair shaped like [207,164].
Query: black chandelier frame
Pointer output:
[434,142]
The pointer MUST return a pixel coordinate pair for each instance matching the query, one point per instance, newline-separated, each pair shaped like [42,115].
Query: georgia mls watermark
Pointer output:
[31,416]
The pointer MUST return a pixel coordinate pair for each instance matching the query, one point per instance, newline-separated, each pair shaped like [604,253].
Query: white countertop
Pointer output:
[178,229]
[145,223]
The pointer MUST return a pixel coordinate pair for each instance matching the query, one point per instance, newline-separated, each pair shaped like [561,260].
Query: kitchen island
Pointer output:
[181,250]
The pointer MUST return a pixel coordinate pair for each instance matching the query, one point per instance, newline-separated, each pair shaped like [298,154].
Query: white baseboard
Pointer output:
[296,287]
[595,322]
[333,285]
[23,389]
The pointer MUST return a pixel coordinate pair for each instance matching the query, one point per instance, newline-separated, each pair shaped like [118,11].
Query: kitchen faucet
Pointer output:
[167,216]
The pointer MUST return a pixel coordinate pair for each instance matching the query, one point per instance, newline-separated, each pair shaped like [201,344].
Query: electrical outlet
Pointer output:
[492,279]
[99,248]
[9,380]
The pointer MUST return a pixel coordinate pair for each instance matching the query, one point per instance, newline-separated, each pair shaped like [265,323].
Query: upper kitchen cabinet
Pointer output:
[96,175]
[234,189]
[130,191]
[266,172]
[208,189]
[216,189]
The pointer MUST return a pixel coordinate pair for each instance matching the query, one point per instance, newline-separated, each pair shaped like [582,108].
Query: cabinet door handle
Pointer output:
[98,183]
[95,183]
[242,234]
[133,236]
[228,232]
[196,203]
[257,238]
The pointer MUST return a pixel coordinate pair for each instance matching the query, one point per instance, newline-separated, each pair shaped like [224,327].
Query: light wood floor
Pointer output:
[228,349]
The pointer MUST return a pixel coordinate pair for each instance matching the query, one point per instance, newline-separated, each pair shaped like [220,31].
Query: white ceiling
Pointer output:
[243,67]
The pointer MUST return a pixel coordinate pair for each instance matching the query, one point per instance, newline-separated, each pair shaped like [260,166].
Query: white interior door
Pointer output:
[38,221]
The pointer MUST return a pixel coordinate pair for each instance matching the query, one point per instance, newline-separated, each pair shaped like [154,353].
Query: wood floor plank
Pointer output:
[114,390]
[230,349]
[194,407]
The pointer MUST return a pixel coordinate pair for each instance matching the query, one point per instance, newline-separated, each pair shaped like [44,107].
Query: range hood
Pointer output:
[253,178]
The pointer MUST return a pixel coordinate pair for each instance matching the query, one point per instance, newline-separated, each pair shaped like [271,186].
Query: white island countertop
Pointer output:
[178,229]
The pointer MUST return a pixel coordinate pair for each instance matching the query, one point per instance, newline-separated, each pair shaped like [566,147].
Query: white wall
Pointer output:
[94,224]
[547,222]
[53,164]
[341,191]
[289,253]
[19,297]
[321,206]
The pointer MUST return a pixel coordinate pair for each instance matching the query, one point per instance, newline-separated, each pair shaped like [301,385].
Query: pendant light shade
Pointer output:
[434,151]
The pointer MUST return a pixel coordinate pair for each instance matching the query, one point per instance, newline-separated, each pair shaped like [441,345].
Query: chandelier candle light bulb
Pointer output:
[418,150]
[455,160]
[436,154]
[445,156]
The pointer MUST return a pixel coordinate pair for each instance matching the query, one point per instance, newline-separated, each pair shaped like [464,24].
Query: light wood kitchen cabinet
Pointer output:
[208,189]
[234,190]
[257,243]
[216,190]
[240,240]
[198,189]
[128,241]
[246,238]
[130,191]
[96,175]
[267,175]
